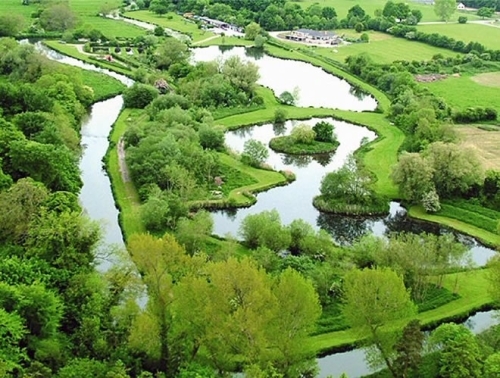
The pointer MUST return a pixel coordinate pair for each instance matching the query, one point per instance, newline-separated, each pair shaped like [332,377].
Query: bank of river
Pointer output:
[315,87]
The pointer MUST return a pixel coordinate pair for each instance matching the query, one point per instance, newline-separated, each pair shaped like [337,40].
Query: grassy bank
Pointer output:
[104,86]
[474,295]
[125,194]
[457,219]
[485,34]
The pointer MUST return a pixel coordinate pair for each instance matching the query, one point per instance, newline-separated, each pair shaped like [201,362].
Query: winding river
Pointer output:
[292,201]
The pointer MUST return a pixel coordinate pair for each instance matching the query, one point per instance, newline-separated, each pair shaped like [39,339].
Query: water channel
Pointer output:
[293,201]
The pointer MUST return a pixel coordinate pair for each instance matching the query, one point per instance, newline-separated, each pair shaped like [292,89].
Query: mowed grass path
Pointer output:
[473,290]
[465,91]
[382,48]
[487,35]
[370,6]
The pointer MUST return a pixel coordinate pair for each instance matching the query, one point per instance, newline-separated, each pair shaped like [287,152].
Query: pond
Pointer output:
[317,88]
[294,201]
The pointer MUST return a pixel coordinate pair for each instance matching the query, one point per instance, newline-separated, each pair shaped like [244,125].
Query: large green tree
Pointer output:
[444,9]
[375,298]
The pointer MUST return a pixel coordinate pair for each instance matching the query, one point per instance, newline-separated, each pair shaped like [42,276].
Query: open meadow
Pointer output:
[382,48]
[485,143]
[370,6]
[466,91]
[485,34]
[86,11]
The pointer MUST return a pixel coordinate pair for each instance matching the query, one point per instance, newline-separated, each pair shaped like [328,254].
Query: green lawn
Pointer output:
[125,194]
[343,6]
[172,21]
[384,48]
[487,35]
[474,294]
[462,92]
[489,238]
[104,86]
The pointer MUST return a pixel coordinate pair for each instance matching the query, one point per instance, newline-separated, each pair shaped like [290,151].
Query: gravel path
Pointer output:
[121,161]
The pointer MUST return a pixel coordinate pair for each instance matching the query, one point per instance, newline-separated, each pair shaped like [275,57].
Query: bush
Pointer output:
[280,115]
[159,31]
[364,37]
[462,20]
[303,134]
[139,96]
[211,137]
[430,202]
[324,131]
[476,114]
[265,230]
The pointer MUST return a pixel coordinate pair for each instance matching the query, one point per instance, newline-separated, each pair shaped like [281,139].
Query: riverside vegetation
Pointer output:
[219,306]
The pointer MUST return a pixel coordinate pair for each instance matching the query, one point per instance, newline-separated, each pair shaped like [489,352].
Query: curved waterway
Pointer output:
[96,196]
[316,87]
[293,201]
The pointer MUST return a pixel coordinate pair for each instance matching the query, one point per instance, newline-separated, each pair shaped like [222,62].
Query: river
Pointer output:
[294,201]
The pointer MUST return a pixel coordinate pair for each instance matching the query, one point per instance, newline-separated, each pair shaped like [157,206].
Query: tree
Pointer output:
[485,12]
[170,52]
[459,354]
[413,176]
[191,233]
[58,17]
[260,41]
[374,298]
[139,95]
[444,9]
[252,30]
[211,137]
[12,331]
[159,6]
[409,349]
[254,152]
[329,13]
[287,98]
[492,366]
[265,230]
[243,75]
[11,25]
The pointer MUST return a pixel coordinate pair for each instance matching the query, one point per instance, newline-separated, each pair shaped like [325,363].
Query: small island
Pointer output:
[306,140]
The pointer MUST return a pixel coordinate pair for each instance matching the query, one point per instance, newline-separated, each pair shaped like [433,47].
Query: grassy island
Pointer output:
[287,145]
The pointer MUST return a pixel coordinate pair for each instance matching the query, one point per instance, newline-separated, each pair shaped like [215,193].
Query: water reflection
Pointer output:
[298,161]
[344,230]
[279,128]
[225,48]
[254,52]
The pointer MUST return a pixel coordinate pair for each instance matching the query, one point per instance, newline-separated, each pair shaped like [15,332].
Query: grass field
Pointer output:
[343,6]
[474,294]
[382,48]
[172,21]
[104,86]
[487,35]
[486,144]
[462,92]
[86,11]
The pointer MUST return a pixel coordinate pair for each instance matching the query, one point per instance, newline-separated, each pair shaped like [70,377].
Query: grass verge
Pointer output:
[449,218]
[125,194]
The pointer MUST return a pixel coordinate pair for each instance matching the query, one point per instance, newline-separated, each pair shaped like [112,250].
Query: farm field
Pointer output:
[453,90]
[485,143]
[172,21]
[487,35]
[383,48]
[343,6]
[87,15]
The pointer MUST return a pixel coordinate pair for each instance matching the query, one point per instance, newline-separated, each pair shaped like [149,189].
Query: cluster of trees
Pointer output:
[348,190]
[493,4]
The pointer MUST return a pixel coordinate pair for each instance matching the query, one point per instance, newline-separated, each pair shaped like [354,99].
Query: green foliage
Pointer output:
[444,9]
[252,30]
[280,115]
[10,25]
[265,229]
[289,145]
[324,132]
[139,96]
[58,17]
[462,20]
[254,153]
[287,98]
[191,233]
[303,134]
[211,137]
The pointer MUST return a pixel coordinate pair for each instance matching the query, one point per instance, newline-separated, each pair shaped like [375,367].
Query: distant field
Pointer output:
[343,6]
[485,143]
[487,35]
[172,21]
[87,14]
[464,91]
[383,48]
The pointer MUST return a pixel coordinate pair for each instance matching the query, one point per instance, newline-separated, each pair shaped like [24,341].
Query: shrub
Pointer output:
[211,137]
[159,31]
[139,96]
[462,20]
[364,37]
[303,134]
[430,202]
[280,115]
[287,98]
[324,131]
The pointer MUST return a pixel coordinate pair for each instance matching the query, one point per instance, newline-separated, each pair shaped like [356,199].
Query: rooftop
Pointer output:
[317,33]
